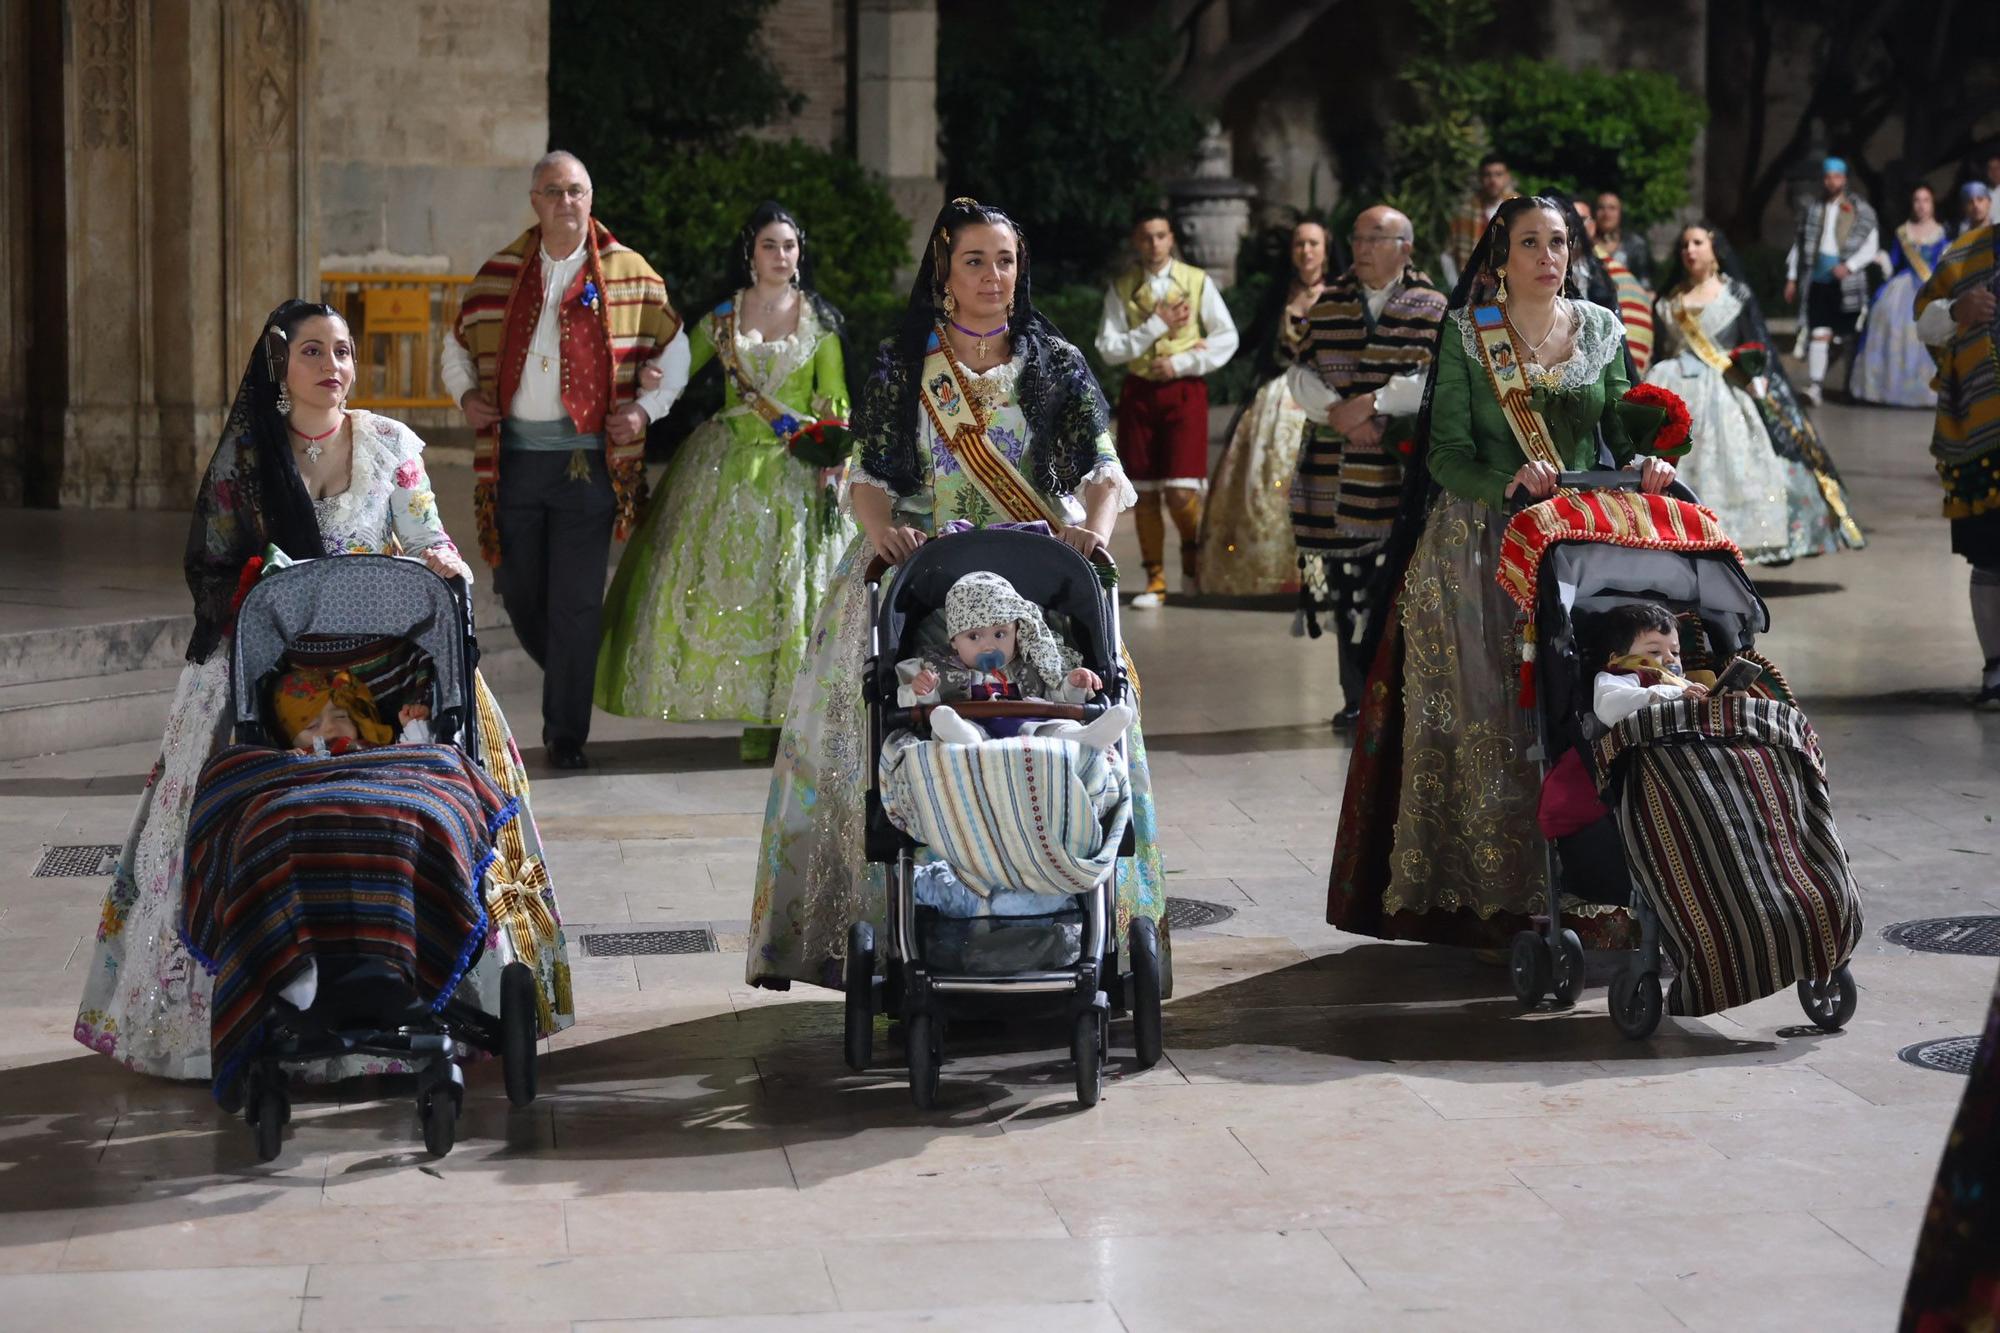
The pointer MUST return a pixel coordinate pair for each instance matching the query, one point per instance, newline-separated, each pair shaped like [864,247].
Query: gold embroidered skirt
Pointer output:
[1465,821]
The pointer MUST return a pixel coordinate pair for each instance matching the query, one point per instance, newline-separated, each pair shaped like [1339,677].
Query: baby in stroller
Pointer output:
[998,646]
[321,711]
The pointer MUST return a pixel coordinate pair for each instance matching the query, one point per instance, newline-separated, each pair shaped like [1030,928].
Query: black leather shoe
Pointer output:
[567,754]
[1347,718]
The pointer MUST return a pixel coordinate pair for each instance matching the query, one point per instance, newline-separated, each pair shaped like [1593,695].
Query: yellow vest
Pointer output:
[1136,287]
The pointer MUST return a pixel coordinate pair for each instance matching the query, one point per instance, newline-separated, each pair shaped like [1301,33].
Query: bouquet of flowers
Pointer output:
[823,443]
[1750,359]
[1656,419]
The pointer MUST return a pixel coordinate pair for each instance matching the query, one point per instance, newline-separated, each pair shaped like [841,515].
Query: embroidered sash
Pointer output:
[1703,346]
[1510,385]
[957,421]
[1913,254]
[752,397]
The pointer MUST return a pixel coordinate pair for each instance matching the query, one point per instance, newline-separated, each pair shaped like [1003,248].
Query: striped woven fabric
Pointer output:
[377,853]
[1729,833]
[1031,813]
[1966,438]
[1635,307]
[1344,498]
[1619,518]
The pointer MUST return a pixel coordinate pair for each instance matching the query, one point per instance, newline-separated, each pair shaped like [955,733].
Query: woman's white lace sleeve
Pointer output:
[1113,471]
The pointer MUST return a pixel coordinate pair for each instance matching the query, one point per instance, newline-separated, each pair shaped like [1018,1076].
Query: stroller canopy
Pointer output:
[373,595]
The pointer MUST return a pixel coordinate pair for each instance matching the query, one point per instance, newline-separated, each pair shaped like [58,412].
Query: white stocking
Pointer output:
[1099,734]
[1816,354]
[949,727]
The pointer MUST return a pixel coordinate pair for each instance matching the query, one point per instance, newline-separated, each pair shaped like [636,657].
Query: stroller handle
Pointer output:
[973,709]
[879,565]
[1600,479]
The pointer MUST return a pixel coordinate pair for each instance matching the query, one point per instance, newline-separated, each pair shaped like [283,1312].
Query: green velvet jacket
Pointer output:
[1473,453]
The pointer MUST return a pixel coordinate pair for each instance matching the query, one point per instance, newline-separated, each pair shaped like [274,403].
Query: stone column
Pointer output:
[895,113]
[1212,208]
[16,245]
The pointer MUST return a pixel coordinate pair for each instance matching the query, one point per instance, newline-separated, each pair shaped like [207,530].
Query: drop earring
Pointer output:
[1501,296]
[950,304]
[284,400]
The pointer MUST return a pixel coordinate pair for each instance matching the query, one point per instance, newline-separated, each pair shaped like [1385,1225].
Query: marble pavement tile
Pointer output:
[218,1300]
[1053,1317]
[1861,1299]
[481,1293]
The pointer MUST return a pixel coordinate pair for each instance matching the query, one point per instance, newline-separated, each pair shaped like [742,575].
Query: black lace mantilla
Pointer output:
[1057,393]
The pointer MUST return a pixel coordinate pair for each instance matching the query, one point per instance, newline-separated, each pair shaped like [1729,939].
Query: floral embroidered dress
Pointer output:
[145,1000]
[708,616]
[813,879]
[1770,501]
[1246,530]
[1891,363]
[1437,836]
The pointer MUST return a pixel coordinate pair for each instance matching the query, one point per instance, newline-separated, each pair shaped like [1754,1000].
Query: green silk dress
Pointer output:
[715,596]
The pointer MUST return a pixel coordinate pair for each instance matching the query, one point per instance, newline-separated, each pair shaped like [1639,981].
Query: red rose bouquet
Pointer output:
[1656,419]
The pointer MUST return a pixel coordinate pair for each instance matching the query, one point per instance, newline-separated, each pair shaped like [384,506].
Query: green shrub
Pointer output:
[1587,130]
[1063,123]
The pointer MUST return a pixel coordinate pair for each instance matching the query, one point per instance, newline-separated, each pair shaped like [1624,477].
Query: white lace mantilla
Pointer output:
[378,450]
[1599,336]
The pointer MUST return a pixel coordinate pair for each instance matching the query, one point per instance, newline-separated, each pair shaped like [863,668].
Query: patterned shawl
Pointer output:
[1057,393]
[1966,439]
[618,292]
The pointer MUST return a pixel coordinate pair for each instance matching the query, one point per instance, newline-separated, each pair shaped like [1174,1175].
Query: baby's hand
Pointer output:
[413,713]
[1083,678]
[1696,691]
[651,377]
[924,682]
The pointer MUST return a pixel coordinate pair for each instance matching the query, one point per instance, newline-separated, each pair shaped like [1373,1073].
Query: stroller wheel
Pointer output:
[1145,994]
[1568,980]
[926,1051]
[860,995]
[268,1108]
[1830,1003]
[438,1108]
[517,1032]
[1086,1047]
[1635,1003]
[1528,966]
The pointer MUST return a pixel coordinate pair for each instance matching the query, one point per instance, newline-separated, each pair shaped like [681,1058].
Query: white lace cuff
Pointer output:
[1112,470]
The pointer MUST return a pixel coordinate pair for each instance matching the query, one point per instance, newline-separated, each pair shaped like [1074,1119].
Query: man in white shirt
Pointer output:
[1367,347]
[1827,267]
[545,360]
[1165,321]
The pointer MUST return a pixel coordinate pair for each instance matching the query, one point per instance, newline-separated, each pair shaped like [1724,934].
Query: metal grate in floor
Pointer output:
[1978,935]
[78,861]
[1947,1055]
[1193,913]
[627,944]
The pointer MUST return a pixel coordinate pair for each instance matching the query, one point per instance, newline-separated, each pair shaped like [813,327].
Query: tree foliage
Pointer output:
[1072,136]
[1581,131]
[612,100]
[1434,153]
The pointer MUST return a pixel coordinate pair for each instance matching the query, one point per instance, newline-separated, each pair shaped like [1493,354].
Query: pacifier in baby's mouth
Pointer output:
[990,660]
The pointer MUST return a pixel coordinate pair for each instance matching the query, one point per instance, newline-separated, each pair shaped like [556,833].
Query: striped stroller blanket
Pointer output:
[1032,813]
[1729,833]
[290,856]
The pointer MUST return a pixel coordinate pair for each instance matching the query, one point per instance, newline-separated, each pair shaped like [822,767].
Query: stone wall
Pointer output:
[427,117]
[807,40]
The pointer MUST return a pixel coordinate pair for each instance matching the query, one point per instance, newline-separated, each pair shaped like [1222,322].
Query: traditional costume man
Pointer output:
[1361,361]
[1825,270]
[1956,316]
[1165,321]
[1496,187]
[549,344]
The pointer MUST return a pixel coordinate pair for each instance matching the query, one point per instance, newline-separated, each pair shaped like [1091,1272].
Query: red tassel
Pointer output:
[247,580]
[1526,698]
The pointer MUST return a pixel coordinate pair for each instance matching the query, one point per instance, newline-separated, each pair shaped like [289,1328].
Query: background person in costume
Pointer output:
[1756,457]
[1039,450]
[1369,341]
[1824,275]
[1246,531]
[1630,296]
[1955,315]
[1891,363]
[297,470]
[1975,208]
[1437,836]
[708,616]
[1614,241]
[1164,320]
[545,362]
[1496,186]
